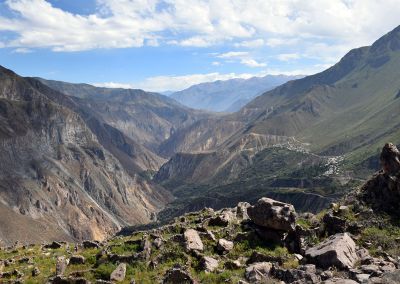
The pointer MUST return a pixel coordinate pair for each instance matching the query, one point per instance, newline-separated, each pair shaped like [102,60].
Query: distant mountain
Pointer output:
[229,95]
[336,119]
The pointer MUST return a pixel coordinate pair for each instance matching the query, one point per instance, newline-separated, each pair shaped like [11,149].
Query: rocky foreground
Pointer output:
[354,241]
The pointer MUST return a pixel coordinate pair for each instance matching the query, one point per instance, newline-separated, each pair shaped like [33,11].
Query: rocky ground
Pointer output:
[356,240]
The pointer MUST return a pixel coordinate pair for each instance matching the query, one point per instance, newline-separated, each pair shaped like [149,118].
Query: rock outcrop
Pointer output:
[339,250]
[273,214]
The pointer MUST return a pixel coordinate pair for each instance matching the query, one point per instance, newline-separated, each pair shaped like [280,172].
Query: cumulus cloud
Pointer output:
[252,63]
[288,56]
[201,23]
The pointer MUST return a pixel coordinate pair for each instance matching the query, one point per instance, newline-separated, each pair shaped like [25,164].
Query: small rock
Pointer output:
[224,246]
[61,265]
[209,264]
[232,265]
[362,278]
[177,275]
[222,220]
[119,273]
[241,210]
[77,259]
[35,272]
[339,281]
[192,240]
[258,272]
[90,244]
[158,242]
[53,245]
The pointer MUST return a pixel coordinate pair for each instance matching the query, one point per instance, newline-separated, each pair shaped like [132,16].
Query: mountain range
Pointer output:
[82,162]
[228,95]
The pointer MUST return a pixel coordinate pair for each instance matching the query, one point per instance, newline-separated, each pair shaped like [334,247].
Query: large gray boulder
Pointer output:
[192,240]
[273,214]
[119,273]
[339,250]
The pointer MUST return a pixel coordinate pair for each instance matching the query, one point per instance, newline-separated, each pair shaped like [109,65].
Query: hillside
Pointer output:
[353,241]
[342,115]
[58,177]
[228,95]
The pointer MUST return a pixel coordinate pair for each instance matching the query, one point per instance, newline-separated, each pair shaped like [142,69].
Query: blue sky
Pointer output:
[161,45]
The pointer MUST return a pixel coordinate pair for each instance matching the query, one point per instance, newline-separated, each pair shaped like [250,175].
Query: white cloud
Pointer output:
[233,54]
[252,63]
[241,23]
[288,56]
[216,63]
[250,43]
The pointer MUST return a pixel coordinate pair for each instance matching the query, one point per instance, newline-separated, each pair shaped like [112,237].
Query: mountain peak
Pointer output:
[390,41]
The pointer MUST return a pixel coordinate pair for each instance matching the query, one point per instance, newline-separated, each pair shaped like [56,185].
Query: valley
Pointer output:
[84,162]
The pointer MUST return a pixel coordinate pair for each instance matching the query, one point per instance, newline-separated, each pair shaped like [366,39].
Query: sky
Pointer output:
[169,45]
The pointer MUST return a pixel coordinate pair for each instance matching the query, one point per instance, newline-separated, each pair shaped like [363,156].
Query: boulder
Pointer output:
[77,259]
[338,250]
[53,245]
[241,210]
[119,273]
[61,265]
[35,272]
[177,275]
[339,281]
[334,224]
[90,244]
[222,220]
[232,265]
[209,264]
[258,272]
[273,214]
[192,240]
[224,246]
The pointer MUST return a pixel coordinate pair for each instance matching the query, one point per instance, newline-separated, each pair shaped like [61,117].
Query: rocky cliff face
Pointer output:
[57,180]
[147,118]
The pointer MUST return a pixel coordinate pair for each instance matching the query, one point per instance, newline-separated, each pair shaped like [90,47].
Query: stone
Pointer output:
[224,246]
[35,272]
[192,240]
[273,214]
[177,275]
[260,257]
[69,280]
[338,250]
[232,265]
[53,245]
[61,265]
[209,264]
[390,159]
[77,259]
[90,244]
[119,273]
[241,210]
[258,272]
[362,277]
[371,269]
[222,220]
[339,281]
[158,242]
[334,224]
[295,275]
